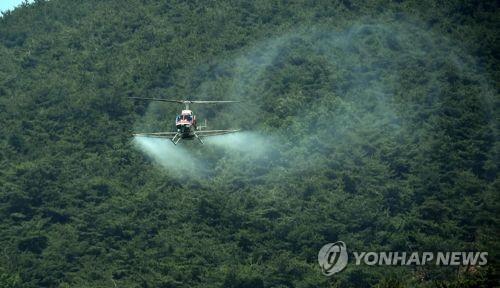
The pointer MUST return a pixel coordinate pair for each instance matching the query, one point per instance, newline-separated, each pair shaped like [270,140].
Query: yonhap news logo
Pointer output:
[333,258]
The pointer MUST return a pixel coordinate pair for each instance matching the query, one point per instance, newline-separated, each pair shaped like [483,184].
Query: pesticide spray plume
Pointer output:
[320,94]
[245,142]
[175,159]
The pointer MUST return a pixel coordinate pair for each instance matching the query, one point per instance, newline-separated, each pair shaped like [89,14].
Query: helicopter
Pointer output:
[185,123]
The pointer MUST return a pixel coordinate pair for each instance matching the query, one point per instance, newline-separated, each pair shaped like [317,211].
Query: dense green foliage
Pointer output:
[370,122]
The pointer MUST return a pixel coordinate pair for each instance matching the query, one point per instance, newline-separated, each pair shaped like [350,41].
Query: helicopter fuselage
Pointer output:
[186,124]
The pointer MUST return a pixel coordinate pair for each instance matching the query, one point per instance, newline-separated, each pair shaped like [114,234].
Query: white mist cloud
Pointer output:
[356,97]
[247,142]
[175,159]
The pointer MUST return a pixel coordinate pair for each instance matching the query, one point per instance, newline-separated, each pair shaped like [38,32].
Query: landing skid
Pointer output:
[177,137]
[199,139]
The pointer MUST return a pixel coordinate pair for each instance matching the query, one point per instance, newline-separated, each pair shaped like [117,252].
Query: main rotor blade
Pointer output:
[183,101]
[202,101]
[157,99]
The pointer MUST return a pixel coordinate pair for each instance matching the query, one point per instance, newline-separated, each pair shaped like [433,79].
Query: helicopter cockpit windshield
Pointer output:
[188,118]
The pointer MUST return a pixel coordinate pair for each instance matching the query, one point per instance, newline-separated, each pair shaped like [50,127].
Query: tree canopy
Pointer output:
[370,122]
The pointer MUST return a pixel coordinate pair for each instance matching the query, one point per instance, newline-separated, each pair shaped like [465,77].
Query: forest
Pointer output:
[371,122]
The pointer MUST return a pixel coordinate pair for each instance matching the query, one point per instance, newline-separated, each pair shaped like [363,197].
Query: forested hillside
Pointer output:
[370,122]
